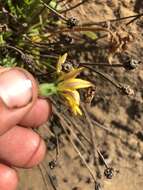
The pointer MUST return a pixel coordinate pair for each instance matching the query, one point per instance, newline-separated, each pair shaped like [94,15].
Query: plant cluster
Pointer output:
[36,35]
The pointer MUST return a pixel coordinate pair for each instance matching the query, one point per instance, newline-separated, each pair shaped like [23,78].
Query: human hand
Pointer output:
[20,110]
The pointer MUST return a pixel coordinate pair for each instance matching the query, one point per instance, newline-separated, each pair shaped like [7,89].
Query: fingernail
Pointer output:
[15,88]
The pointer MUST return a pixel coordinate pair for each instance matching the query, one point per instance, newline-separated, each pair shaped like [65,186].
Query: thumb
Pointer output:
[18,93]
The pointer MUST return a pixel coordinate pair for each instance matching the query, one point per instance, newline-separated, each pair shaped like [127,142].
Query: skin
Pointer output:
[20,146]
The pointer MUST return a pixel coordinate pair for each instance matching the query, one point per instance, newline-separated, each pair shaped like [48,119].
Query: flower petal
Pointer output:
[73,100]
[61,61]
[73,84]
[71,74]
[73,95]
[77,110]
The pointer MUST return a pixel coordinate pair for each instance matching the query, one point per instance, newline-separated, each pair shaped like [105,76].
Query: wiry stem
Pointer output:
[105,77]
[43,175]
[92,133]
[134,19]
[54,11]
[113,20]
[101,65]
[14,48]
[74,146]
[83,29]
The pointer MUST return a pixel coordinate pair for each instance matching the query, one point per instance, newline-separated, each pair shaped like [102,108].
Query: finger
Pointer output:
[18,93]
[38,115]
[21,147]
[8,178]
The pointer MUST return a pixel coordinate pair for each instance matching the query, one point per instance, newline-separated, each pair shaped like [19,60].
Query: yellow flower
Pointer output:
[68,85]
[73,99]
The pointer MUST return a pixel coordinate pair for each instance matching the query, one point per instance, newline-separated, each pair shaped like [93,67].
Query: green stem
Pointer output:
[47,89]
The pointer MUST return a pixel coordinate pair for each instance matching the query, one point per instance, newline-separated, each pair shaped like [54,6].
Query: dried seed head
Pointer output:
[52,164]
[131,64]
[108,172]
[126,89]
[67,66]
[71,22]
[27,59]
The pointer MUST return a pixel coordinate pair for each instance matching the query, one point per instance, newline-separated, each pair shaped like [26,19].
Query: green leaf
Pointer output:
[11,7]
[1,40]
[54,4]
[28,2]
[8,62]
[90,35]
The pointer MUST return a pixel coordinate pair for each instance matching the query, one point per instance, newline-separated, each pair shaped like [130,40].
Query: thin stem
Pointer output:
[50,177]
[93,137]
[112,20]
[102,65]
[83,29]
[74,134]
[101,156]
[43,55]
[95,149]
[134,19]
[104,128]
[43,175]
[14,48]
[57,148]
[74,146]
[54,11]
[82,158]
[42,9]
[77,127]
[105,77]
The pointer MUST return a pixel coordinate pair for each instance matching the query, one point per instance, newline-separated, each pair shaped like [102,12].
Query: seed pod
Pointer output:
[126,89]
[131,64]
[108,172]
[71,22]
